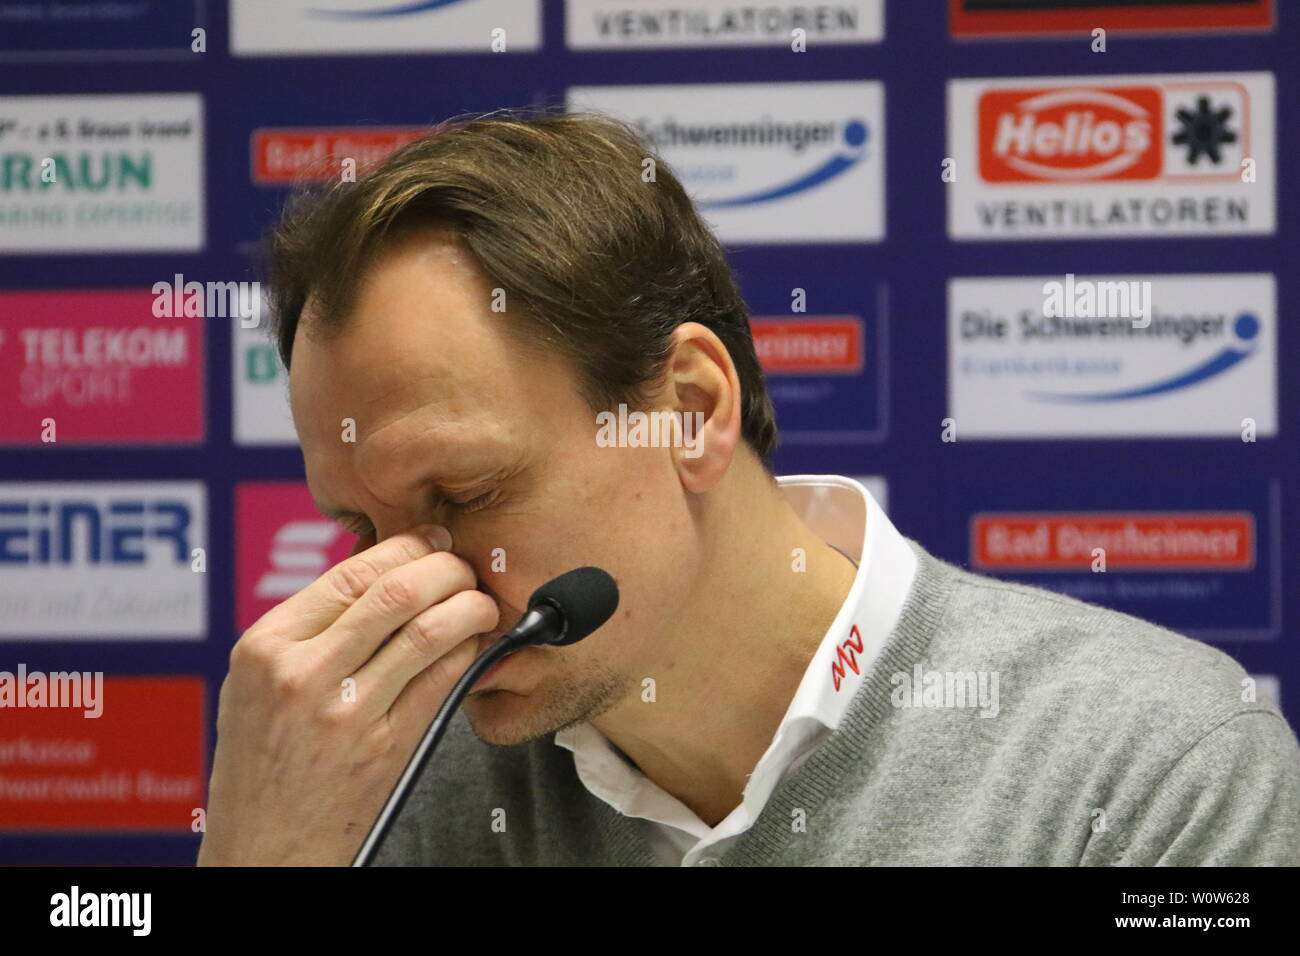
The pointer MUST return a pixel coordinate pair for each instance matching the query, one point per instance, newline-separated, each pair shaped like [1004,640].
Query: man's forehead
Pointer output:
[399,351]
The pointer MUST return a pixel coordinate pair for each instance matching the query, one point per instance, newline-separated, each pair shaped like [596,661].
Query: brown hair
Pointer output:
[554,205]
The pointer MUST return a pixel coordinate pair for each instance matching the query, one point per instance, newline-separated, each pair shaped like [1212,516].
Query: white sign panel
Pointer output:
[610,25]
[83,560]
[766,163]
[322,27]
[260,388]
[101,173]
[1053,357]
[1103,156]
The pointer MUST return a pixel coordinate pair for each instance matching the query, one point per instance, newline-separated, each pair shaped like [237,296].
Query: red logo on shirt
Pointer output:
[846,653]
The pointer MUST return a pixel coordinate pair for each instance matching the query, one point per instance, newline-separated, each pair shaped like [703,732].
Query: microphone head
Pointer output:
[585,597]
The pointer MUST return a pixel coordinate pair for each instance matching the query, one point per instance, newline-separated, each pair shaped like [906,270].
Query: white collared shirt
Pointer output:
[845,515]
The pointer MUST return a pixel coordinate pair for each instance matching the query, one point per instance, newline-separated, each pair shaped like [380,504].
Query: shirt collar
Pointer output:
[844,514]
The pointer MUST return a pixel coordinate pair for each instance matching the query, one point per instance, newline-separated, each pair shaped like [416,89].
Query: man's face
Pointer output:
[457,425]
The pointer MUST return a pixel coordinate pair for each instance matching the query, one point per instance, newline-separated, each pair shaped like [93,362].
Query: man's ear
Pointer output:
[703,388]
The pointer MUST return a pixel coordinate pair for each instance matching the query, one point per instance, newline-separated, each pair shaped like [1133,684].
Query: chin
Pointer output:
[503,718]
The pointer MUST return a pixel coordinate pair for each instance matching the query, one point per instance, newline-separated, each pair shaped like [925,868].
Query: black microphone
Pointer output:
[562,611]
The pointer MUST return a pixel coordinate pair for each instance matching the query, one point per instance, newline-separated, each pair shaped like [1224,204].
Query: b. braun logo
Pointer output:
[1072,134]
[79,531]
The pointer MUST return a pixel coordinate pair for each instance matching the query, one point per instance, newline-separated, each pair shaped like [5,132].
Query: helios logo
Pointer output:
[1070,134]
[1101,156]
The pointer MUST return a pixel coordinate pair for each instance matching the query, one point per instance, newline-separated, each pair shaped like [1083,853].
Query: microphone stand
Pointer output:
[540,623]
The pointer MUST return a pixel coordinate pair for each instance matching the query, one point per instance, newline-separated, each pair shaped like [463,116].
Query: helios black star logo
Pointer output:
[1204,131]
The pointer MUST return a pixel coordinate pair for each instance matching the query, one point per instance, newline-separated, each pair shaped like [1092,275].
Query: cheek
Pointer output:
[619,509]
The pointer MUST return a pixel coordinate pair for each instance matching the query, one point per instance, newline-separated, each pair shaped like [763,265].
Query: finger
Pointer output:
[364,542]
[319,604]
[410,715]
[395,598]
[431,641]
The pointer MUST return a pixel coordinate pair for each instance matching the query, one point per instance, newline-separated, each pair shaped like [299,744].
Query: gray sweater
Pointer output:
[1113,742]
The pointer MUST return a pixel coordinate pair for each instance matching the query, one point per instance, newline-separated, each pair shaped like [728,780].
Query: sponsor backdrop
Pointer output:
[1033,283]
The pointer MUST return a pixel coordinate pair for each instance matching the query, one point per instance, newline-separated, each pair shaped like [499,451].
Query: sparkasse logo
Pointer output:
[282,544]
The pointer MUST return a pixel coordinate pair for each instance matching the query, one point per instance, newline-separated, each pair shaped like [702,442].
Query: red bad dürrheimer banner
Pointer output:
[1137,541]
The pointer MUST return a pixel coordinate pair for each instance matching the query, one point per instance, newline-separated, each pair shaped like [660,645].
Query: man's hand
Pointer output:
[304,762]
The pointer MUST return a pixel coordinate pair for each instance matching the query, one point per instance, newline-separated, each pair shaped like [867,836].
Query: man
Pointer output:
[787,680]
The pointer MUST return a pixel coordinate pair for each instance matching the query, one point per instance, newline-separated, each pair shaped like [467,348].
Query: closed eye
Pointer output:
[474,504]
[357,524]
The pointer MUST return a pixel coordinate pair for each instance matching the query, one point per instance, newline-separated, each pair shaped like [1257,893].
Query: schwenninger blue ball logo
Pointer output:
[1245,328]
[855,135]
